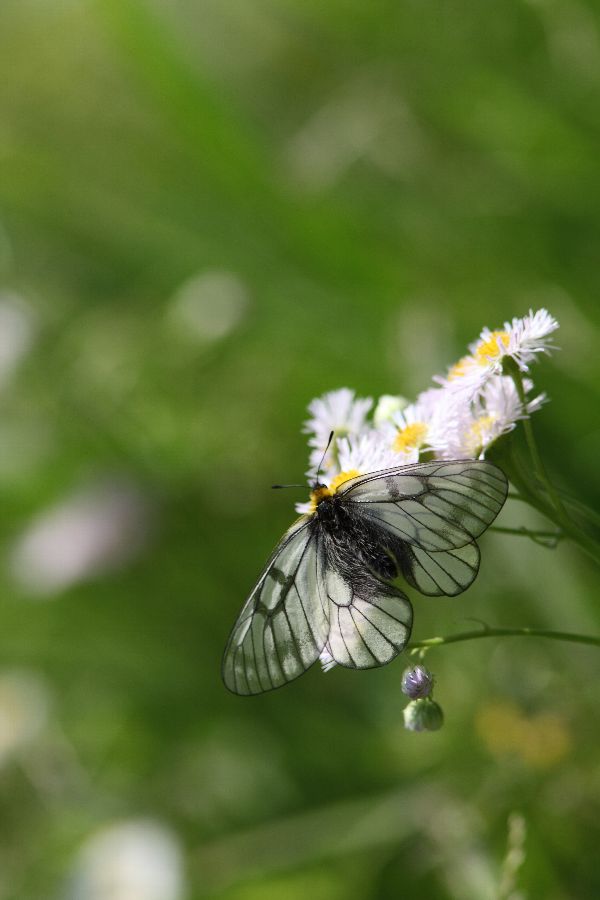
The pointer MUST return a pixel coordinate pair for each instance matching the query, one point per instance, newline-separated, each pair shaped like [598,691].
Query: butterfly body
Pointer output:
[352,545]
[331,584]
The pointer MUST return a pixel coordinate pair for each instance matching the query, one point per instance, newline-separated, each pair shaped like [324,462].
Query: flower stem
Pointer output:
[547,500]
[485,632]
[538,465]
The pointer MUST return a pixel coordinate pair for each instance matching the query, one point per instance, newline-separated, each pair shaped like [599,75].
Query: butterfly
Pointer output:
[332,581]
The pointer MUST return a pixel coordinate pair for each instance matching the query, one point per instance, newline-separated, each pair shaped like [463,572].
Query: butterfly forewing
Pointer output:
[284,624]
[436,506]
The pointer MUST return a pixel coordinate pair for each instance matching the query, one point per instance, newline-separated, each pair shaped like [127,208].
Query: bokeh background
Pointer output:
[211,212]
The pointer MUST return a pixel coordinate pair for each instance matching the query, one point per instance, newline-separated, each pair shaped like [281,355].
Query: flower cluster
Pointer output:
[470,407]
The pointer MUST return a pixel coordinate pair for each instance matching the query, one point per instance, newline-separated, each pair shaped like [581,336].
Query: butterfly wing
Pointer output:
[304,601]
[436,506]
[369,620]
[283,625]
[449,573]
[435,511]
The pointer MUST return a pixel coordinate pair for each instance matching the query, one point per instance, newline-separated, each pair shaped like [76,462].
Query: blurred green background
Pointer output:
[211,212]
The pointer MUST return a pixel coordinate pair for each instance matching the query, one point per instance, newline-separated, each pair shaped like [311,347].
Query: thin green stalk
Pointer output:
[528,532]
[486,632]
[536,458]
[539,467]
[547,500]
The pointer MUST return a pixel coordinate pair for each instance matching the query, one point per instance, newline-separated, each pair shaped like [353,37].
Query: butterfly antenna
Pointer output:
[278,487]
[331,433]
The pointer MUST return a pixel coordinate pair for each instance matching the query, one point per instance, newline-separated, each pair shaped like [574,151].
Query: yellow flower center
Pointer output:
[485,352]
[459,369]
[320,493]
[410,438]
[491,349]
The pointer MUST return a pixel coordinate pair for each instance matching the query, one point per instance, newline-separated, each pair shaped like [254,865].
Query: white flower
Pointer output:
[357,455]
[93,530]
[465,378]
[522,340]
[410,429]
[138,859]
[369,453]
[471,428]
[338,411]
[530,335]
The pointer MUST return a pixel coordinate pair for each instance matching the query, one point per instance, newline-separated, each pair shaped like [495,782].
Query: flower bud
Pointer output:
[417,682]
[423,715]
[386,407]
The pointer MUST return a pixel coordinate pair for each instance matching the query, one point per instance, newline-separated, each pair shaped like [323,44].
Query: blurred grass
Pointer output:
[381,181]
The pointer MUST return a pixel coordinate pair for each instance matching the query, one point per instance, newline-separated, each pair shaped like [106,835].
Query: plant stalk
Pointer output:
[486,632]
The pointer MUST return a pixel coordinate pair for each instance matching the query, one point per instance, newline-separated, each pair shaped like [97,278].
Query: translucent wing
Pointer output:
[449,572]
[284,624]
[437,506]
[369,620]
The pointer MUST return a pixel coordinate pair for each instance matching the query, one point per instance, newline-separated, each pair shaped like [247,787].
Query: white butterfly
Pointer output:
[331,582]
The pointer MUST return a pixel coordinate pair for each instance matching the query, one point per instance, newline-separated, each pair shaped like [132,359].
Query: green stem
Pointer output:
[547,500]
[538,465]
[505,632]
[549,539]
[527,532]
[540,470]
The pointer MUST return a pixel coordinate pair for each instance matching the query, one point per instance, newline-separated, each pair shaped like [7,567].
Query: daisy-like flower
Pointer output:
[530,336]
[522,340]
[356,455]
[409,434]
[472,428]
[370,452]
[338,411]
[473,406]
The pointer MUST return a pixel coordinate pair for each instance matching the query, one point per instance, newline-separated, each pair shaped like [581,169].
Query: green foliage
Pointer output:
[369,184]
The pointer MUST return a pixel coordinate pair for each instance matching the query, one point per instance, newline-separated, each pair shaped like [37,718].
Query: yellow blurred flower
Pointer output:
[541,741]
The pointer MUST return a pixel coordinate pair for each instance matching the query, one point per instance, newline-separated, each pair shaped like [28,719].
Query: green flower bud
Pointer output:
[423,715]
[386,407]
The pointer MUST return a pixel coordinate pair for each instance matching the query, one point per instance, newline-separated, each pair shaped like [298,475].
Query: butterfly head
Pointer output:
[321,492]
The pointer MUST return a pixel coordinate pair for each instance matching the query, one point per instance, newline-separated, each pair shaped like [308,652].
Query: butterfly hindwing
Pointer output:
[449,572]
[369,621]
[283,625]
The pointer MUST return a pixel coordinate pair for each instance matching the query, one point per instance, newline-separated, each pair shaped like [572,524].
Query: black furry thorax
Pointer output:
[353,546]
